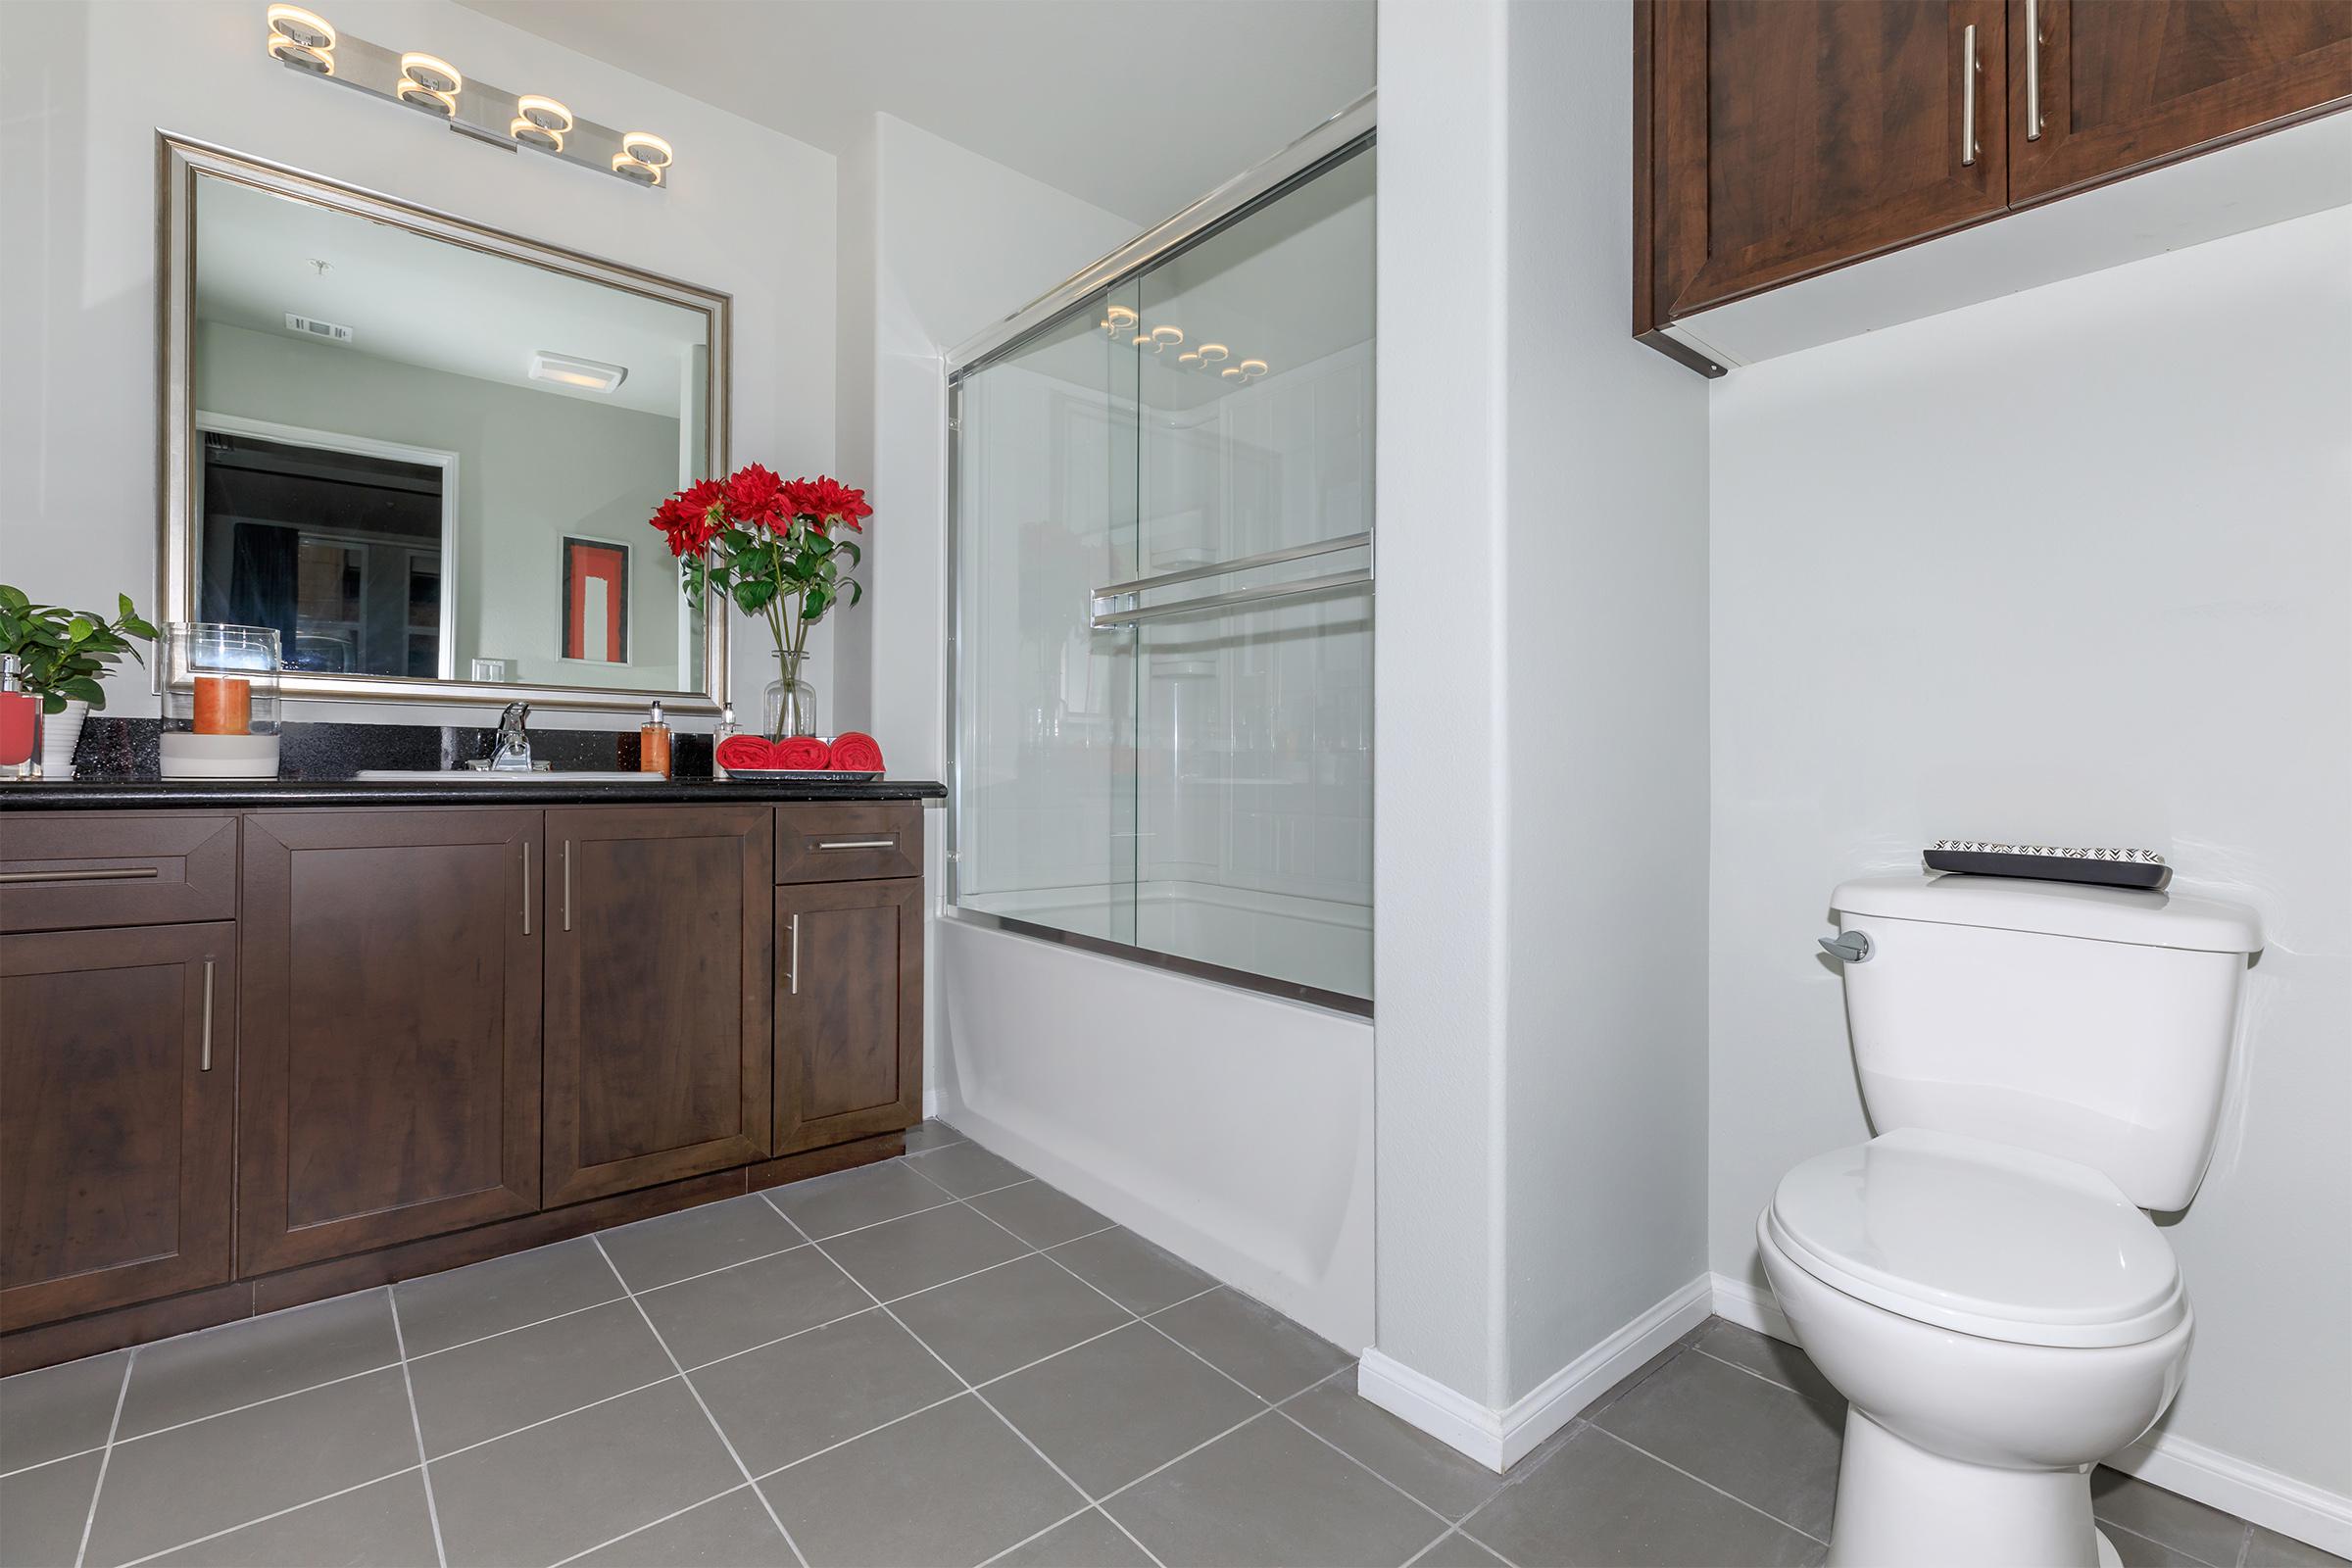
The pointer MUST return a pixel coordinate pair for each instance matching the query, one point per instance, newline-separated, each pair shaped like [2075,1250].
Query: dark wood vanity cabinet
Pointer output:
[658,954]
[408,1038]
[391,1005]
[1776,139]
[849,1011]
[117,1099]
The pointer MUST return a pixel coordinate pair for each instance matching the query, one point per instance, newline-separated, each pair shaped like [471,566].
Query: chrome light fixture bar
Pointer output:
[305,41]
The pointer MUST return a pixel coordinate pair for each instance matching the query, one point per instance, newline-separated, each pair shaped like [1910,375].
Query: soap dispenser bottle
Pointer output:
[653,743]
[719,732]
[20,722]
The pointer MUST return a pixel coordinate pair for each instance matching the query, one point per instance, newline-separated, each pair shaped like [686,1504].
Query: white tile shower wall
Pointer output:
[2074,566]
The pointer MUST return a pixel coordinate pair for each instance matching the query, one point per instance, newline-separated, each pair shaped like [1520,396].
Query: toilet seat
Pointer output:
[1988,1239]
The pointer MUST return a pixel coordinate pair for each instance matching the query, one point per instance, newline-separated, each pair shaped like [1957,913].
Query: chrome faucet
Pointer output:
[513,752]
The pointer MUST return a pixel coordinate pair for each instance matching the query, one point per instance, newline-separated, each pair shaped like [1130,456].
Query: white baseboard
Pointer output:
[1500,1438]
[1740,1302]
[2206,1475]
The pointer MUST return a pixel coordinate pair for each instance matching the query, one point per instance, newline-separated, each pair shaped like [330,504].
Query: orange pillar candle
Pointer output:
[224,704]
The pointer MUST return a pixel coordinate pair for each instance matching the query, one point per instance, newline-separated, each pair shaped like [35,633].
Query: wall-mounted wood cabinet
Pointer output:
[1776,139]
[420,1034]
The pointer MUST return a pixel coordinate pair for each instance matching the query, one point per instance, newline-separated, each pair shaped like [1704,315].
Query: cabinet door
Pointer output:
[117,1097]
[391,1028]
[657,1015]
[849,1011]
[2125,87]
[1790,136]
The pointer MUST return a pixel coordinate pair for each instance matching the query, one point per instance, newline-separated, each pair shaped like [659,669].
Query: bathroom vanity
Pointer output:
[266,1044]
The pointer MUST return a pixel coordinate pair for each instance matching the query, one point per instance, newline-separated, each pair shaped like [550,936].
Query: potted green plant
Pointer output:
[65,655]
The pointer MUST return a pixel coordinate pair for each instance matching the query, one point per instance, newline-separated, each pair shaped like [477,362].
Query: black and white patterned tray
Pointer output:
[2049,862]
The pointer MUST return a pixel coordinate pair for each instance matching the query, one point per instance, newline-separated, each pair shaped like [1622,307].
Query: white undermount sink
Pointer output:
[484,776]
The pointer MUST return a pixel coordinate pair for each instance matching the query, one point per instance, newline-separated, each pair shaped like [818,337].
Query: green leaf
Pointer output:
[140,629]
[14,598]
[78,630]
[857,556]
[53,702]
[125,609]
[88,689]
[857,591]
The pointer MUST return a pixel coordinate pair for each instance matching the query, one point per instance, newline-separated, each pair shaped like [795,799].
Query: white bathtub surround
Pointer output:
[1540,816]
[1231,1128]
[1884,676]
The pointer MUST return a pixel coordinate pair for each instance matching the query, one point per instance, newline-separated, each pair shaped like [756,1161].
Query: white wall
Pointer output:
[936,243]
[86,86]
[2073,567]
[1541,1043]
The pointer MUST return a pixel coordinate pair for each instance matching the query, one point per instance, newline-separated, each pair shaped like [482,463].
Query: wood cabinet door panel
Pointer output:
[1790,136]
[849,1011]
[118,1099]
[657,1010]
[2126,87]
[391,1087]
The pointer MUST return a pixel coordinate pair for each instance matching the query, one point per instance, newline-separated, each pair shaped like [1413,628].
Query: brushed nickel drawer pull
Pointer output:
[204,1062]
[2034,120]
[1969,71]
[793,974]
[526,887]
[119,873]
[890,843]
[567,884]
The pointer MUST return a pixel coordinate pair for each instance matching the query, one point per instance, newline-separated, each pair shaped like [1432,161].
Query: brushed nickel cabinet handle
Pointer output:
[2033,41]
[204,1062]
[567,884]
[890,843]
[118,874]
[526,887]
[1970,71]
[794,973]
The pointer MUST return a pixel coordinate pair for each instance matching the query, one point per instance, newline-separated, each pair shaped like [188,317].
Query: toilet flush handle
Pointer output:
[1853,946]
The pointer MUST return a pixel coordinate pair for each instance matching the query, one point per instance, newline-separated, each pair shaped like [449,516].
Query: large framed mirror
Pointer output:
[426,450]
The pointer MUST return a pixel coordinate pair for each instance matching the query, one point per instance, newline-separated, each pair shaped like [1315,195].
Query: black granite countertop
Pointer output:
[543,789]
[118,760]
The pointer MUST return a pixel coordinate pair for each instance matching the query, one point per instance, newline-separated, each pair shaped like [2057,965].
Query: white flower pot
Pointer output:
[60,732]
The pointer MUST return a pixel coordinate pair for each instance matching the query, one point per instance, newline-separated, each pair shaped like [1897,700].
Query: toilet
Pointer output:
[2042,1061]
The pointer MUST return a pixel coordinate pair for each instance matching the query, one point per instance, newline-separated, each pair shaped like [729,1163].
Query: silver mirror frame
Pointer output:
[179,162]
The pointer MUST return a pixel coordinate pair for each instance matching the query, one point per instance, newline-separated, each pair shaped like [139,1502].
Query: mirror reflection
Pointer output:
[419,460]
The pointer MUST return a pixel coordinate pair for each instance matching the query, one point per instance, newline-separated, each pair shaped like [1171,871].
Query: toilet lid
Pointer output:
[2001,1243]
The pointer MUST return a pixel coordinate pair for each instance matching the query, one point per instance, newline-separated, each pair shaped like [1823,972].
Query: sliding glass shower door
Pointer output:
[1163,554]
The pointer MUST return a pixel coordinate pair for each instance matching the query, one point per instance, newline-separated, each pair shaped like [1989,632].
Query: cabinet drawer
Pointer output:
[70,870]
[849,841]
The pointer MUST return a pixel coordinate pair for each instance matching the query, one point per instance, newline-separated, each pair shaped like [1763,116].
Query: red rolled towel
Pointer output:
[745,751]
[801,753]
[853,752]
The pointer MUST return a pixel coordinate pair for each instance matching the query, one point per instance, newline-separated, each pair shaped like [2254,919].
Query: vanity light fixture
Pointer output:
[308,42]
[429,82]
[565,370]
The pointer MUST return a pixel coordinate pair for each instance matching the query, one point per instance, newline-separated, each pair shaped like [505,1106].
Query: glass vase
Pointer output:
[790,705]
[220,696]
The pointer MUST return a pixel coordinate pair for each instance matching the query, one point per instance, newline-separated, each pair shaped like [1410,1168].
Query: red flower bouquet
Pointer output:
[776,547]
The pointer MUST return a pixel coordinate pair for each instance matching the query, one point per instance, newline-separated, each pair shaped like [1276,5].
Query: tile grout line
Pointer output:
[416,1425]
[2237,1558]
[1443,1536]
[726,1442]
[1760,1377]
[255,1404]
[43,1464]
[308,1503]
[1704,1482]
[985,1402]
[90,1520]
[639,1529]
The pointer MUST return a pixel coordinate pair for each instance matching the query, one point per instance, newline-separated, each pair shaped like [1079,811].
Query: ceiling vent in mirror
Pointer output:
[316,328]
[588,376]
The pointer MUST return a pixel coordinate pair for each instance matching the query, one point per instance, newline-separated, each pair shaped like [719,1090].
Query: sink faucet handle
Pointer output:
[514,745]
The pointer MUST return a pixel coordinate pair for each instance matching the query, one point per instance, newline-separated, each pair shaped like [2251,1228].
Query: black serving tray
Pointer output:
[2112,869]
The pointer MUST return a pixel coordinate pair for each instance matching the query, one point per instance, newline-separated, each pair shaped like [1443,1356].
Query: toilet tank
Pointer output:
[2087,1022]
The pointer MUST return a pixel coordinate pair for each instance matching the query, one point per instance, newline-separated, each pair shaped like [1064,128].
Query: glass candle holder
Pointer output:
[220,700]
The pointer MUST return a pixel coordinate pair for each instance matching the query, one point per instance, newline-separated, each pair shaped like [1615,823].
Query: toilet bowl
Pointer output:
[2044,1062]
[1974,1445]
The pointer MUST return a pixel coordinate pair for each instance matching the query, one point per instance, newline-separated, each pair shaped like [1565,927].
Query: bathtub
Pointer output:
[1232,1128]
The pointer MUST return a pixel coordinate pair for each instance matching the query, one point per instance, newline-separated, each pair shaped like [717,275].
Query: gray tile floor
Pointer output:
[934,1359]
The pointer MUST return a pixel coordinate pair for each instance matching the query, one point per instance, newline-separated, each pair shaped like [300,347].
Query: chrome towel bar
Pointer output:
[1104,616]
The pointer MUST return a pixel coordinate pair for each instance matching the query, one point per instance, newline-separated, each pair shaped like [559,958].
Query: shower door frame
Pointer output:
[1350,131]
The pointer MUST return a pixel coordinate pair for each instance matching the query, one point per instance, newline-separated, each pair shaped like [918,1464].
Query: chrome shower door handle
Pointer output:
[1853,947]
[1970,71]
